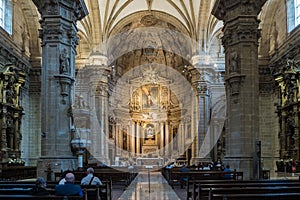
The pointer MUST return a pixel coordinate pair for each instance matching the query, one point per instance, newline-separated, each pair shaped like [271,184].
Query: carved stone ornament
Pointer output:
[149,20]
[234,82]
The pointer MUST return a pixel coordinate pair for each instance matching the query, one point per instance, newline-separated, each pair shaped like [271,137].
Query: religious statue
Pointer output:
[64,61]
[233,62]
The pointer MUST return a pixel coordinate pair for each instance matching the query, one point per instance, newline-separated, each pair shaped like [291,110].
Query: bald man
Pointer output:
[69,188]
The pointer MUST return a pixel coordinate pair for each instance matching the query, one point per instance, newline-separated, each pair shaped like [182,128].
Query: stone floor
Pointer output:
[152,186]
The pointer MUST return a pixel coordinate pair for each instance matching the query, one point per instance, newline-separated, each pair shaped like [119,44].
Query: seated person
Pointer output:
[69,188]
[206,168]
[90,179]
[227,169]
[62,181]
[40,187]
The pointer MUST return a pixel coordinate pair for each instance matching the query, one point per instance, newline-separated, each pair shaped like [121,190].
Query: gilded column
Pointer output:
[240,41]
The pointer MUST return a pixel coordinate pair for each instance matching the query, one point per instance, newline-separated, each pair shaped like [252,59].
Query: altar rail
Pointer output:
[18,172]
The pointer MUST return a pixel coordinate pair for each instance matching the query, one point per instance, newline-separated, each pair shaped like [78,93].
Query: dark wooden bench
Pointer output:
[177,176]
[17,172]
[246,196]
[49,197]
[200,189]
[104,174]
[92,192]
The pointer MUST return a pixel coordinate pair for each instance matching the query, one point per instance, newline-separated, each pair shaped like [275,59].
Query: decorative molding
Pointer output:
[234,82]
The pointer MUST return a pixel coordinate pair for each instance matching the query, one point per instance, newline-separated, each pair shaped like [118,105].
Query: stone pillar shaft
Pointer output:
[59,39]
[240,41]
[138,137]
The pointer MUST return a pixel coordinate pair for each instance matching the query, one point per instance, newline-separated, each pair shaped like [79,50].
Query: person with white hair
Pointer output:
[69,188]
[90,179]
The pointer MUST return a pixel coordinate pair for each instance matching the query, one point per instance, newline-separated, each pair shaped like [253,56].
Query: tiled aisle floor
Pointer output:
[139,188]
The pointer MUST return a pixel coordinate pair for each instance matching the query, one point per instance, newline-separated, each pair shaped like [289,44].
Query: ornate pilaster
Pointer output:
[240,41]
[59,39]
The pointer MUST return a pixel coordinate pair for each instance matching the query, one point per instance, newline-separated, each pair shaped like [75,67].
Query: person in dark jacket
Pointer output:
[40,187]
[69,188]
[227,169]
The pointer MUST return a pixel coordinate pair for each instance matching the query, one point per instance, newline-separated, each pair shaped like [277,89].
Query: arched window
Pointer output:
[6,15]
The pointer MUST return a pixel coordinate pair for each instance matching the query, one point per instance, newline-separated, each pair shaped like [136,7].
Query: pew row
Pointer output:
[92,192]
[214,189]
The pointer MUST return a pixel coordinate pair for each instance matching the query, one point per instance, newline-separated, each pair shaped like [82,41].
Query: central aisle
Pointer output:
[159,188]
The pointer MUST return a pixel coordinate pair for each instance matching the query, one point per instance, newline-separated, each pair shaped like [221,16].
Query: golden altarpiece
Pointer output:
[286,75]
[11,114]
[149,129]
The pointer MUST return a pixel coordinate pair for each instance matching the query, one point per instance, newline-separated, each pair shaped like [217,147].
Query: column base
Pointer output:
[244,164]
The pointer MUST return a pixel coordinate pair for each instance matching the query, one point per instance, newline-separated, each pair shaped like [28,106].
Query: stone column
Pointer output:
[119,139]
[203,113]
[167,139]
[138,137]
[162,138]
[97,72]
[240,41]
[59,39]
[132,138]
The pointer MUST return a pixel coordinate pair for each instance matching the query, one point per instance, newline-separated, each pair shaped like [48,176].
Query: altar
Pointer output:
[149,161]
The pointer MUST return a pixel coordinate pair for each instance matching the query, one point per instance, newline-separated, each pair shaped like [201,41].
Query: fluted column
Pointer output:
[58,34]
[240,41]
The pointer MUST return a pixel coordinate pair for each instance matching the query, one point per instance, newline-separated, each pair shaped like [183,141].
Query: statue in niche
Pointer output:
[234,62]
[64,61]
[80,102]
[150,133]
[11,94]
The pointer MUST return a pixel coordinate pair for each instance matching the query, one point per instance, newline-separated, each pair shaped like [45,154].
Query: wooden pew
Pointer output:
[174,176]
[200,188]
[92,192]
[251,190]
[49,197]
[268,196]
[17,172]
[105,174]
